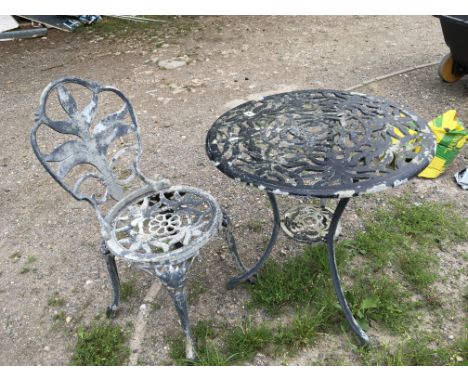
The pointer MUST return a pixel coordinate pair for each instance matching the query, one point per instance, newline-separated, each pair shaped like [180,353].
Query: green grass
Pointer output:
[56,300]
[128,290]
[101,345]
[195,290]
[421,350]
[208,352]
[297,282]
[255,226]
[407,236]
[231,346]
[31,259]
[382,269]
[379,298]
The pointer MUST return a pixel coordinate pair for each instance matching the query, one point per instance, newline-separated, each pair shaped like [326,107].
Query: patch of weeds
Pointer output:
[128,290]
[195,291]
[60,316]
[304,283]
[430,223]
[240,344]
[243,342]
[208,352]
[154,307]
[25,270]
[406,236]
[403,239]
[255,226]
[418,268]
[421,351]
[101,345]
[303,330]
[380,299]
[15,256]
[141,362]
[295,282]
[56,300]
[31,259]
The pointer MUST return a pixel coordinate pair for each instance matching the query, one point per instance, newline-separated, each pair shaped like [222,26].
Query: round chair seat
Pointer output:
[166,226]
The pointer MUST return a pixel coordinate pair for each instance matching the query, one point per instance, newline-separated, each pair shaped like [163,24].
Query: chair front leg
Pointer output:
[115,281]
[173,277]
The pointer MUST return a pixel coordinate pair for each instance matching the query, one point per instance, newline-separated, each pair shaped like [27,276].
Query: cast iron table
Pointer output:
[322,144]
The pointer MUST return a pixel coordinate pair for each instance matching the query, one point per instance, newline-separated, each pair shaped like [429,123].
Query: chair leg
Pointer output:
[115,281]
[173,277]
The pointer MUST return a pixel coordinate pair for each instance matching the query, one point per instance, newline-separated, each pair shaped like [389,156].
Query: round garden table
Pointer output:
[317,143]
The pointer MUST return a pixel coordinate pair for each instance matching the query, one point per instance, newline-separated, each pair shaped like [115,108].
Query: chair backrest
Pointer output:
[93,147]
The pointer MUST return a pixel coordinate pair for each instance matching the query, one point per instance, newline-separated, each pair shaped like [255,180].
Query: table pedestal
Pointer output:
[295,226]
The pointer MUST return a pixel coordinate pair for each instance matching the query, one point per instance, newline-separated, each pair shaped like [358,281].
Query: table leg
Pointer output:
[247,275]
[363,337]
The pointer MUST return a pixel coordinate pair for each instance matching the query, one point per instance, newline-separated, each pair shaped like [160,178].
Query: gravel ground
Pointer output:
[224,61]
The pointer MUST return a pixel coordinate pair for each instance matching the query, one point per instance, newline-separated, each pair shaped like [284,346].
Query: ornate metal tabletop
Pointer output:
[317,143]
[322,143]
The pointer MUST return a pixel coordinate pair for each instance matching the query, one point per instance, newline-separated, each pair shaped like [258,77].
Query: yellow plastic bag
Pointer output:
[450,137]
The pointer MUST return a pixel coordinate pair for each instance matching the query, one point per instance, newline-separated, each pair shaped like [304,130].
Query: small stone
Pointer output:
[171,64]
[459,359]
[46,348]
[451,337]
[68,319]
[89,282]
[197,82]
[143,307]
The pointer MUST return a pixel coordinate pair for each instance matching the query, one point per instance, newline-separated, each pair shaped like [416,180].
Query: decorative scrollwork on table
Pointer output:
[323,143]
[308,223]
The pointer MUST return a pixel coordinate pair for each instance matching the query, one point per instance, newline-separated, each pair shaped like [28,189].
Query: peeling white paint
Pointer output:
[279,192]
[379,187]
[345,194]
[399,182]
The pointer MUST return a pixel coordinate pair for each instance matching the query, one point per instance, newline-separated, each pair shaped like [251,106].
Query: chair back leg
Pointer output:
[115,281]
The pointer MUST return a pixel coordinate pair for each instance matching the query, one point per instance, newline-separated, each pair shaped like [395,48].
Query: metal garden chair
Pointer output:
[158,227]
